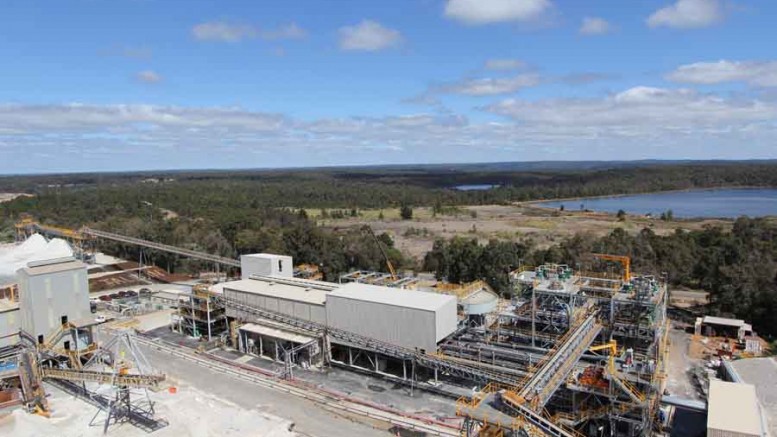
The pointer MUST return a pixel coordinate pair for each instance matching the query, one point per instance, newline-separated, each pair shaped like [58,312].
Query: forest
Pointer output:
[233,212]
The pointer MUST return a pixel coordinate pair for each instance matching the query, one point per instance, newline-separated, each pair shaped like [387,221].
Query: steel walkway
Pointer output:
[560,362]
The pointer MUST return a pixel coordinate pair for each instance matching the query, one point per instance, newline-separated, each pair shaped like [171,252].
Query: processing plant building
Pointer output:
[410,319]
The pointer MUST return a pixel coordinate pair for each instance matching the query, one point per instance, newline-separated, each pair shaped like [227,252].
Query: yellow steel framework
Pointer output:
[623,260]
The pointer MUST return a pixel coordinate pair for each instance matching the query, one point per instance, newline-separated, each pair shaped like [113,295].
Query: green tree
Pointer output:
[406,212]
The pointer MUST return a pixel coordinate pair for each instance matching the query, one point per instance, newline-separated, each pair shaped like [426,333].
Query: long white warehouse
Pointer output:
[298,298]
[407,318]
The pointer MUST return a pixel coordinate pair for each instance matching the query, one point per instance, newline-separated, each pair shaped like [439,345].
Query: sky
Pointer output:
[113,85]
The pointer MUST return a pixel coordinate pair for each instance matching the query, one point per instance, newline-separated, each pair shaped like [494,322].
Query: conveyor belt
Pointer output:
[158,246]
[140,381]
[540,388]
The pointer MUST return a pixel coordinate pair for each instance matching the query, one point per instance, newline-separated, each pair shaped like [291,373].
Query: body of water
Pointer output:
[475,187]
[730,203]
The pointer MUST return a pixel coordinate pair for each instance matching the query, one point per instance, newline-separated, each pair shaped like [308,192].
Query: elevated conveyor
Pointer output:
[560,362]
[127,380]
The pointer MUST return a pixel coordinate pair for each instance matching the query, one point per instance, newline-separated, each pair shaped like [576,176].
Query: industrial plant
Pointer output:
[566,353]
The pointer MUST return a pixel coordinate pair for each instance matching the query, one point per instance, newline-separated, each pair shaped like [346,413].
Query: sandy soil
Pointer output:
[505,222]
[680,366]
[190,412]
[7,197]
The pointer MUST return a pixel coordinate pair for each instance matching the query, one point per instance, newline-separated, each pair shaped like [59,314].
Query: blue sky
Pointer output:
[98,85]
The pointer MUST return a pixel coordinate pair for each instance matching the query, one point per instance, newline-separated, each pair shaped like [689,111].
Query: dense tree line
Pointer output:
[738,267]
[383,187]
[226,223]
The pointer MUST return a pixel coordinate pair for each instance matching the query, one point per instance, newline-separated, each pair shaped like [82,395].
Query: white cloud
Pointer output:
[148,76]
[223,31]
[504,64]
[595,26]
[640,122]
[642,110]
[475,12]
[688,14]
[491,86]
[755,73]
[368,36]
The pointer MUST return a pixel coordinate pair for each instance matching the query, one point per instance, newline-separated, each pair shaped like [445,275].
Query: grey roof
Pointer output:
[421,300]
[712,320]
[762,373]
[734,407]
[54,266]
[295,289]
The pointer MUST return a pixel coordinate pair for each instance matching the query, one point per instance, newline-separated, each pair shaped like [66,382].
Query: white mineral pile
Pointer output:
[35,248]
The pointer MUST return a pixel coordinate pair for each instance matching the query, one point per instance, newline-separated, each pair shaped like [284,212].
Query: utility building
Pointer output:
[51,293]
[266,264]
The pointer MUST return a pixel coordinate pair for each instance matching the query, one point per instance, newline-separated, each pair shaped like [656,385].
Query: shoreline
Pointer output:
[538,204]
[640,193]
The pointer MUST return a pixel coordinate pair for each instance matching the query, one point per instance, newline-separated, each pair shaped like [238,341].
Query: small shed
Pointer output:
[723,327]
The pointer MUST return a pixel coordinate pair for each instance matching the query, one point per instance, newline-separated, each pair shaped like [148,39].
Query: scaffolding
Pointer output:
[547,333]
[199,315]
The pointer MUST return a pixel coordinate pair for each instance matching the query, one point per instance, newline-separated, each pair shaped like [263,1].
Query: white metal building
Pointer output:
[733,411]
[9,322]
[408,318]
[52,292]
[300,298]
[266,264]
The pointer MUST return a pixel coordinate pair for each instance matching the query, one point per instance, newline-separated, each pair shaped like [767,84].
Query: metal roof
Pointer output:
[712,320]
[734,407]
[276,333]
[762,373]
[300,290]
[420,300]
[54,266]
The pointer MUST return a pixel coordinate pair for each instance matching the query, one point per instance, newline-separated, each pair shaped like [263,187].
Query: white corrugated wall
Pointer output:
[401,326]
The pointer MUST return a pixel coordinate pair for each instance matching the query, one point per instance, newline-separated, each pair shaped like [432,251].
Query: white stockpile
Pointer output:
[34,248]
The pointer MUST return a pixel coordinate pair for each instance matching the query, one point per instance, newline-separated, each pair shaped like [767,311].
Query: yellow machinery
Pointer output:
[623,260]
[612,346]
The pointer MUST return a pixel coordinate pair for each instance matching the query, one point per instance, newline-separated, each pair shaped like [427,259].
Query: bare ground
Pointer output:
[7,197]
[505,222]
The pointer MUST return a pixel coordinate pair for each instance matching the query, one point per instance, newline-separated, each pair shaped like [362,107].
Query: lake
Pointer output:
[729,203]
[475,187]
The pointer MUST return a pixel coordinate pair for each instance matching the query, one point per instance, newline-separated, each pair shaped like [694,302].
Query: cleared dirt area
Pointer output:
[7,197]
[505,222]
